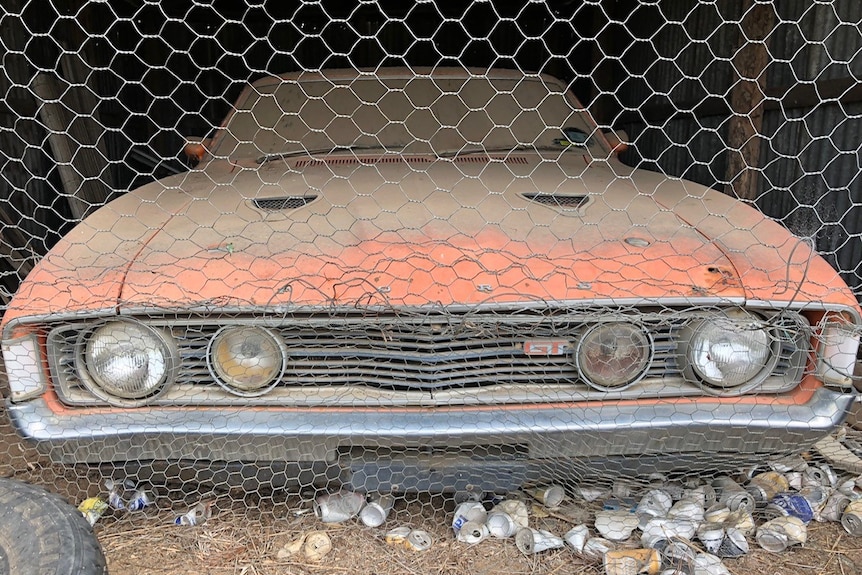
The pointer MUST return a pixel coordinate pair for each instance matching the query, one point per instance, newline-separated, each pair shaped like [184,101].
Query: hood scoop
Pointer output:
[278,204]
[558,200]
[374,160]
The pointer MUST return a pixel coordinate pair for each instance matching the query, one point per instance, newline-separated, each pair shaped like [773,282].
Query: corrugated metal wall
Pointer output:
[810,156]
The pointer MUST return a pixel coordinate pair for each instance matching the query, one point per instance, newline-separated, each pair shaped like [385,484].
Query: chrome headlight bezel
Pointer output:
[641,340]
[220,374]
[163,346]
[743,332]
[837,347]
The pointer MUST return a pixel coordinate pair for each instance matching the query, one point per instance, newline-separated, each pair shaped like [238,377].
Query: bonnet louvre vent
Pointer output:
[371,161]
[283,203]
[557,200]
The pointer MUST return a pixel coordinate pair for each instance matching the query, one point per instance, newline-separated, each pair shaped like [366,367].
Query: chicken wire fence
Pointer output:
[267,256]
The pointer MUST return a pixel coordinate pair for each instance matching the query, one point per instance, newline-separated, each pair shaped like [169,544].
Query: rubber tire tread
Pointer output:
[41,534]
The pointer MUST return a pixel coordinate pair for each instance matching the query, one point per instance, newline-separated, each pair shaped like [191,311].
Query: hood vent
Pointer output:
[557,200]
[374,160]
[282,203]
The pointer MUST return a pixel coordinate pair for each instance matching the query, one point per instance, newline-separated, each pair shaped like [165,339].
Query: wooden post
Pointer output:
[746,99]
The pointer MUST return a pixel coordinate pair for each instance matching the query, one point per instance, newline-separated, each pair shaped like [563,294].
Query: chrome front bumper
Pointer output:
[663,434]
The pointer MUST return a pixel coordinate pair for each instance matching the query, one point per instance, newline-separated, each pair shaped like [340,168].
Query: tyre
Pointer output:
[42,534]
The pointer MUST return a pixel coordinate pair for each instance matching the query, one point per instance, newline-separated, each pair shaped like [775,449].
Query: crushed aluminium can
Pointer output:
[791,505]
[413,539]
[139,500]
[531,541]
[550,496]
[197,515]
[778,534]
[93,508]
[764,486]
[851,519]
[468,511]
[338,507]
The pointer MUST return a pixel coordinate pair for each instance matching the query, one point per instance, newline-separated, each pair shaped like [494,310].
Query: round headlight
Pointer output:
[729,351]
[247,360]
[613,356]
[127,360]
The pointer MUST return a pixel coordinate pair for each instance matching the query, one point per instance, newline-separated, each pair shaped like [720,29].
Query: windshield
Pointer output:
[404,114]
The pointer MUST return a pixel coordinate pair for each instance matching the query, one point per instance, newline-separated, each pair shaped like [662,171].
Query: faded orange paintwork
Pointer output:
[702,244]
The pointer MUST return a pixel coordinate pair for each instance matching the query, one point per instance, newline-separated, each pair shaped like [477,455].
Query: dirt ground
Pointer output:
[246,532]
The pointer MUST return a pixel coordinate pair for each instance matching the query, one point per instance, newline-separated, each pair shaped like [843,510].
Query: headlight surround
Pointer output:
[126,362]
[729,353]
[246,360]
[612,356]
[837,347]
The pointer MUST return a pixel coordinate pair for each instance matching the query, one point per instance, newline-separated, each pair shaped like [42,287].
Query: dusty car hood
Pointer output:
[425,232]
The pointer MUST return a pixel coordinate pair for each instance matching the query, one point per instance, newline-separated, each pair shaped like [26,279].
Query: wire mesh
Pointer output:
[577,281]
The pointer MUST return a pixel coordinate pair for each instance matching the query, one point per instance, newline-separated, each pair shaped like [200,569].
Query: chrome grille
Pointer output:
[431,353]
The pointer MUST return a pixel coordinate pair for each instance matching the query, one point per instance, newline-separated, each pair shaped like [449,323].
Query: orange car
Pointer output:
[427,278]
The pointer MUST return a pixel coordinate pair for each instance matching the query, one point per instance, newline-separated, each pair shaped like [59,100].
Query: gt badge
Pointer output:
[547,347]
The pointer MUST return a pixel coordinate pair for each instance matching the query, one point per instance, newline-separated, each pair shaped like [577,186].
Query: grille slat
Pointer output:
[415,353]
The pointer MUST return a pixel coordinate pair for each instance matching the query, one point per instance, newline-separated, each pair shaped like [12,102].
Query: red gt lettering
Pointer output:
[546,347]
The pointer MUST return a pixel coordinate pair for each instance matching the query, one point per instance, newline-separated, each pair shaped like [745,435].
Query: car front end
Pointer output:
[427,319]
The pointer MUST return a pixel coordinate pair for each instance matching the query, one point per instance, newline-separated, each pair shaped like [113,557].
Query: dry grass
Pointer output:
[241,541]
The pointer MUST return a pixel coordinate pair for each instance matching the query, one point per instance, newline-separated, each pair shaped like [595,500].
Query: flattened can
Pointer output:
[339,506]
[628,561]
[765,486]
[834,507]
[791,505]
[734,544]
[397,536]
[656,503]
[597,547]
[414,539]
[577,537]
[778,534]
[472,532]
[851,519]
[468,511]
[531,541]
[374,513]
[139,500]
[731,494]
[92,508]
[419,540]
[678,553]
[551,496]
[816,497]
[742,520]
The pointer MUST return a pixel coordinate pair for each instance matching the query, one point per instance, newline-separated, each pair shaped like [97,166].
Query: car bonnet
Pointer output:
[347,231]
